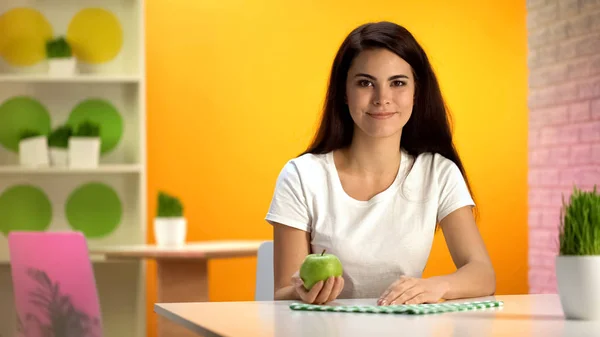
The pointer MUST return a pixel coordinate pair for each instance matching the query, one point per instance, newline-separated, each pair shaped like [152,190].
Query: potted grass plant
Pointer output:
[58,145]
[60,57]
[170,226]
[84,145]
[33,148]
[578,261]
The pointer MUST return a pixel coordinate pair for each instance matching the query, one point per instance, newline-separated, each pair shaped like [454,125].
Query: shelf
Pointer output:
[108,168]
[82,78]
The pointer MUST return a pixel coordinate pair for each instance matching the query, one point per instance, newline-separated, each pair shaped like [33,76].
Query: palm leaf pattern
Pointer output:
[62,319]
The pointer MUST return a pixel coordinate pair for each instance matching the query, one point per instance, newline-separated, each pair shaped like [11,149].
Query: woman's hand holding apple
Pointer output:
[319,279]
[321,292]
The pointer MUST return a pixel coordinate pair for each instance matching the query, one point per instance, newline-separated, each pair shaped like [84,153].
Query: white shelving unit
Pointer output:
[120,81]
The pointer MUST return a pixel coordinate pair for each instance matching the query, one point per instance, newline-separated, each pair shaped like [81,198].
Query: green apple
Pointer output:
[319,267]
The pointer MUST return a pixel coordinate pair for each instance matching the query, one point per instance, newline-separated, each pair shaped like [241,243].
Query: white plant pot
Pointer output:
[578,280]
[170,232]
[59,157]
[33,152]
[84,152]
[62,66]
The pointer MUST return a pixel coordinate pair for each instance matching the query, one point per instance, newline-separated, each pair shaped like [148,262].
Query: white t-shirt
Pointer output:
[377,240]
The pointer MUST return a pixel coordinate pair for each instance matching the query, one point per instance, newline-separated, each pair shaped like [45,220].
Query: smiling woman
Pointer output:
[372,96]
[379,177]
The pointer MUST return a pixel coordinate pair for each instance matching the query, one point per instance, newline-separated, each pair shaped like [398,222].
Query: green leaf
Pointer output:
[28,133]
[87,128]
[579,232]
[168,206]
[59,137]
[58,48]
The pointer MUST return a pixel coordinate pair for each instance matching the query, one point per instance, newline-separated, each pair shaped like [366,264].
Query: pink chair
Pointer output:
[54,285]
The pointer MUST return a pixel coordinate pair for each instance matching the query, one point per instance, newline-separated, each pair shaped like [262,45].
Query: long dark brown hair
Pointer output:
[427,130]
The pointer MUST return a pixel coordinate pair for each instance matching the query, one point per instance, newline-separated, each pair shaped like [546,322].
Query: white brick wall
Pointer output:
[564,120]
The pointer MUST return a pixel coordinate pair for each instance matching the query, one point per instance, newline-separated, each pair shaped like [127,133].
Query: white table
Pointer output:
[521,315]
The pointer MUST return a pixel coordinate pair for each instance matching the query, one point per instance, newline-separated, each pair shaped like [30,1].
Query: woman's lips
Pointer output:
[381,115]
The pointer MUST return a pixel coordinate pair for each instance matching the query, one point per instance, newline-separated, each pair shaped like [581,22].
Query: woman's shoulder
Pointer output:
[433,163]
[307,166]
[430,172]
[310,159]
[435,178]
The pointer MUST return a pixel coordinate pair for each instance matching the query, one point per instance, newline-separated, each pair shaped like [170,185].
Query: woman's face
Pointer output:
[380,90]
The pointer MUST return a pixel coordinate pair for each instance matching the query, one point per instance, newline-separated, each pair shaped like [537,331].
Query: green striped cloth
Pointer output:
[410,309]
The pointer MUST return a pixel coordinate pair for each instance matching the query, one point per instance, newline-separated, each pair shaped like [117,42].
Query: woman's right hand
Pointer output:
[322,292]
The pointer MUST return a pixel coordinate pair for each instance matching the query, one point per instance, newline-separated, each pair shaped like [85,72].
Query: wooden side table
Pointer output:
[182,272]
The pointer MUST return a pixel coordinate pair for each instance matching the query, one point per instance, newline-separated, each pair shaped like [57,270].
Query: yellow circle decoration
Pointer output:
[23,35]
[96,35]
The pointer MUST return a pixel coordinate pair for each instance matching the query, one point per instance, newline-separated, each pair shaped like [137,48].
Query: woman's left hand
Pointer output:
[412,290]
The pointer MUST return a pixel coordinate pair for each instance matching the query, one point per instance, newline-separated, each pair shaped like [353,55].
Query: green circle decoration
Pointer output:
[94,209]
[106,115]
[24,208]
[20,113]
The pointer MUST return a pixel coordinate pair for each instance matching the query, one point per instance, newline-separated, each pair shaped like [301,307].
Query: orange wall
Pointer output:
[234,89]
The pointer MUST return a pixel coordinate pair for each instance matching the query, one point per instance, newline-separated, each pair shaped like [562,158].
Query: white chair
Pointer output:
[264,273]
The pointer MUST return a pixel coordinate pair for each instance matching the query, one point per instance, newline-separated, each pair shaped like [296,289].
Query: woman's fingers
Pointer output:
[408,294]
[337,288]
[395,290]
[322,292]
[310,295]
[299,284]
[325,291]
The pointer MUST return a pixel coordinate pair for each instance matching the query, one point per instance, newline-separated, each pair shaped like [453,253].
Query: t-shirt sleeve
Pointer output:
[288,205]
[454,192]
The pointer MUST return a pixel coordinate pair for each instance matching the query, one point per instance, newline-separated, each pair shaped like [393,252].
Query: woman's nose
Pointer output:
[381,97]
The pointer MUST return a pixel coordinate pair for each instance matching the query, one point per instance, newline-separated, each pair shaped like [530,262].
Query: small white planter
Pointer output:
[578,280]
[84,152]
[170,232]
[33,152]
[59,157]
[62,66]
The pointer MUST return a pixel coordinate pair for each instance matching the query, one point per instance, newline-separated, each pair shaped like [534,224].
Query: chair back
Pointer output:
[264,273]
[54,285]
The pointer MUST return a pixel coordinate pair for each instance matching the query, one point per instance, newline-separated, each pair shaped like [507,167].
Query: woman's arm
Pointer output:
[290,247]
[475,274]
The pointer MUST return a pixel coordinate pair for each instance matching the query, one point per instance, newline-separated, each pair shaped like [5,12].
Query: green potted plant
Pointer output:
[84,145]
[170,226]
[58,145]
[61,61]
[578,261]
[33,148]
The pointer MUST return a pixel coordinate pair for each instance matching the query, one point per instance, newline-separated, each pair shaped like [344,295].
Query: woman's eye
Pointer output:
[398,83]
[364,83]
